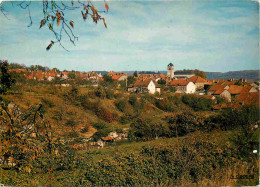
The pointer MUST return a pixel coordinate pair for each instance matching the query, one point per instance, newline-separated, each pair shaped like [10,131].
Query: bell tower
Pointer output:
[170,70]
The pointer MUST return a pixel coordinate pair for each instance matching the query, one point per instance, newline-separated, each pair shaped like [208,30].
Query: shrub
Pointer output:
[183,124]
[132,100]
[197,102]
[99,92]
[101,133]
[142,129]
[109,94]
[105,114]
[121,105]
[100,125]
[70,123]
[239,118]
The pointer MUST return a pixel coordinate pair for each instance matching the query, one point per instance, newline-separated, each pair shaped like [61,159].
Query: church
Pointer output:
[179,74]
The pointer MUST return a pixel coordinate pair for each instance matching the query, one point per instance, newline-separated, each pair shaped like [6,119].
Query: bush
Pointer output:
[121,105]
[100,125]
[105,114]
[132,100]
[183,124]
[101,133]
[241,118]
[197,103]
[109,94]
[142,129]
[99,92]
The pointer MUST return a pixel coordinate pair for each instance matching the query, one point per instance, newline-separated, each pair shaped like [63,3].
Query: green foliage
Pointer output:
[132,100]
[100,92]
[121,105]
[71,76]
[100,125]
[197,102]
[183,124]
[161,81]
[109,94]
[130,80]
[246,140]
[135,74]
[241,118]
[143,129]
[107,78]
[6,81]
[101,133]
[71,123]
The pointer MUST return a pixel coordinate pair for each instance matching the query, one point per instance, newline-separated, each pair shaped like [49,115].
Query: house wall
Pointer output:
[180,89]
[190,88]
[151,87]
[225,94]
[199,85]
[122,78]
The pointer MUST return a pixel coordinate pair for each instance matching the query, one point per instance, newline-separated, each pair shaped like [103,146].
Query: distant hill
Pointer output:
[249,75]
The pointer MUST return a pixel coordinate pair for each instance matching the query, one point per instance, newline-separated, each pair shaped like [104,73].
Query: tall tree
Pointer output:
[135,74]
[6,81]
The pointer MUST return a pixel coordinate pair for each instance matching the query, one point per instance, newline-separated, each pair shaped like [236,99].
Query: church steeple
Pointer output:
[170,70]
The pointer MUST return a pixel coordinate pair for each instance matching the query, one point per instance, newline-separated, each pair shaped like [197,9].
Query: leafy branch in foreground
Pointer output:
[24,135]
[55,17]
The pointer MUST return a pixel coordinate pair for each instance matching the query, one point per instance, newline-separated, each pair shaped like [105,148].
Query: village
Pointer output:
[239,91]
[235,92]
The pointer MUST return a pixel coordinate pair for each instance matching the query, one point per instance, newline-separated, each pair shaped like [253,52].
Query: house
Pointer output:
[144,85]
[216,87]
[235,89]
[49,76]
[198,81]
[119,77]
[64,74]
[249,95]
[223,93]
[107,139]
[183,86]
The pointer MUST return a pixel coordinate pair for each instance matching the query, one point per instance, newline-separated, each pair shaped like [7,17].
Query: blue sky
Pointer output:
[217,36]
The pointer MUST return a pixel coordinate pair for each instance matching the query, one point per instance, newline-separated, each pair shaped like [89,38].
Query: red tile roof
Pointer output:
[115,77]
[197,79]
[234,89]
[108,138]
[179,82]
[144,83]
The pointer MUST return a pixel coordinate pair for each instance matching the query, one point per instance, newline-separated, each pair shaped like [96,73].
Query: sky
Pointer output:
[215,36]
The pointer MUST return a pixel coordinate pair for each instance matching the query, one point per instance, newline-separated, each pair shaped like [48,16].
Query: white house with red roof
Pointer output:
[183,86]
[145,85]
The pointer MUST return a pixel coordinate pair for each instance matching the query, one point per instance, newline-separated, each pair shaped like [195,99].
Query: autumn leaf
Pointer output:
[42,22]
[72,23]
[104,22]
[50,26]
[50,45]
[84,15]
[53,18]
[106,6]
[58,21]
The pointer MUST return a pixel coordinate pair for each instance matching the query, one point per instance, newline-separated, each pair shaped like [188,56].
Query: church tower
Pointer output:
[170,70]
